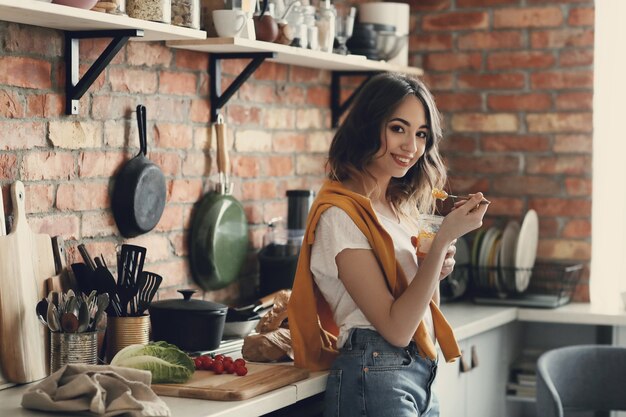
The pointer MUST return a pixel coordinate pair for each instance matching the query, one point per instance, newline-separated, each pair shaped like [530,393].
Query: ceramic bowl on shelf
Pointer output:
[81,4]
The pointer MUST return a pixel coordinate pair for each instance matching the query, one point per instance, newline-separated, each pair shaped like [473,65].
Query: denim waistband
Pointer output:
[360,338]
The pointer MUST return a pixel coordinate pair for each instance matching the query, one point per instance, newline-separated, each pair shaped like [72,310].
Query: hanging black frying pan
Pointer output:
[218,237]
[139,193]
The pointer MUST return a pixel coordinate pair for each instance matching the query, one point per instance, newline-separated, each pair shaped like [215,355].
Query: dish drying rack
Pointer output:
[550,285]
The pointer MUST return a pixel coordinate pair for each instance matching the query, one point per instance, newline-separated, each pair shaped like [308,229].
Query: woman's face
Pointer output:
[403,140]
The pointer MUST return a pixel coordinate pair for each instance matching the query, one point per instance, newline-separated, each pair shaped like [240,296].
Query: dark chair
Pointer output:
[587,377]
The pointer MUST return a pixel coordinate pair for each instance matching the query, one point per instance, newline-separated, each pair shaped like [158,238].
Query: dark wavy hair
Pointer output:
[358,139]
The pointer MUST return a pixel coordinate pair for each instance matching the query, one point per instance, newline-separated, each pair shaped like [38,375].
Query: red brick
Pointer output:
[583,16]
[67,226]
[318,96]
[25,72]
[310,165]
[39,198]
[45,105]
[280,166]
[459,101]
[240,115]
[180,83]
[130,80]
[455,21]
[562,80]
[172,136]
[481,122]
[179,243]
[203,89]
[99,164]
[309,118]
[573,143]
[490,40]
[172,218]
[575,101]
[577,228]
[291,95]
[202,137]
[47,166]
[151,54]
[560,122]
[8,166]
[105,107]
[515,143]
[169,162]
[561,207]
[98,224]
[271,71]
[452,61]
[578,186]
[458,143]
[200,110]
[562,249]
[572,165]
[430,42]
[40,41]
[191,60]
[158,246]
[491,81]
[576,58]
[527,18]
[289,142]
[428,5]
[247,166]
[549,228]
[256,93]
[560,38]
[184,190]
[11,104]
[485,164]
[501,206]
[525,185]
[195,164]
[21,134]
[519,102]
[91,49]
[517,60]
[258,189]
[439,81]
[304,75]
[172,109]
[82,196]
[484,3]
[278,118]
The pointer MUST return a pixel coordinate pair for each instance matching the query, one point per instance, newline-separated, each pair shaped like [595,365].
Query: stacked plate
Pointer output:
[503,258]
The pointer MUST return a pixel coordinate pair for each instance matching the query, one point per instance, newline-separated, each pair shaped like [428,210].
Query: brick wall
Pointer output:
[513,78]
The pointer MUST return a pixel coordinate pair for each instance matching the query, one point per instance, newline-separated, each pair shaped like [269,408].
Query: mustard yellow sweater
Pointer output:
[313,329]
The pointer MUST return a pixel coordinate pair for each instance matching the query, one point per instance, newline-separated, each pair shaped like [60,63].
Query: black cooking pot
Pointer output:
[192,325]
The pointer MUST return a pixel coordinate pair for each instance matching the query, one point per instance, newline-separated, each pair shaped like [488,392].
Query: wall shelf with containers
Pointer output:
[238,48]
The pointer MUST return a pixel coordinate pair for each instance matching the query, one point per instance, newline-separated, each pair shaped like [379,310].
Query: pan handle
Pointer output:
[223,161]
[141,127]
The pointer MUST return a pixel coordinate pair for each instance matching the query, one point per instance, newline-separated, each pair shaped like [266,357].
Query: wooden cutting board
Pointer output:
[207,385]
[25,262]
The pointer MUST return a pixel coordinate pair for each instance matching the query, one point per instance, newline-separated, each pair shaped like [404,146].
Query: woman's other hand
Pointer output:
[466,216]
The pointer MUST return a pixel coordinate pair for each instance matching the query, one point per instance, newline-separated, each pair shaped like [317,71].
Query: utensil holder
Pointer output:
[126,331]
[73,348]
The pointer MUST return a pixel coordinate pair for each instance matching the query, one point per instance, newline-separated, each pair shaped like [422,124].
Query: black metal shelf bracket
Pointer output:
[336,108]
[75,86]
[219,99]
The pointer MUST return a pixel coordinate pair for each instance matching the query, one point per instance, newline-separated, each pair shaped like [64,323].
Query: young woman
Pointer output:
[360,305]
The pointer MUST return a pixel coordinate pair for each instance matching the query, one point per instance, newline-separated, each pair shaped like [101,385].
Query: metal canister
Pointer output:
[126,331]
[73,348]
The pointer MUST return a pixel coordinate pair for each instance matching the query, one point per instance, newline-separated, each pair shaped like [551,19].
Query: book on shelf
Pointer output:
[526,379]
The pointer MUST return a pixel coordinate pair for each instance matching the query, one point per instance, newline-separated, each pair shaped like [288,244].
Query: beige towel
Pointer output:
[96,390]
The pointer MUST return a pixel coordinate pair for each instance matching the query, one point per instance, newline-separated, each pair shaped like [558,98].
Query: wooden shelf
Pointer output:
[55,16]
[291,55]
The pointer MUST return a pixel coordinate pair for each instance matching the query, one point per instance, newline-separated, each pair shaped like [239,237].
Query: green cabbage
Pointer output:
[166,362]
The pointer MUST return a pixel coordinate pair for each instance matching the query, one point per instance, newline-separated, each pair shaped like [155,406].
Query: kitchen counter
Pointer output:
[466,318]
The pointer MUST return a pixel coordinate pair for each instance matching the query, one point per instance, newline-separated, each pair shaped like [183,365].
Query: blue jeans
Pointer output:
[372,378]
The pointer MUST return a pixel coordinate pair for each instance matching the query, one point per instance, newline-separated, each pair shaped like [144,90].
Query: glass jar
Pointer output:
[186,13]
[120,7]
[154,10]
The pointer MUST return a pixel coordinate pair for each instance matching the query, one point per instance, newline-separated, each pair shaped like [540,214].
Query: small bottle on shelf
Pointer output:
[153,10]
[326,26]
[186,13]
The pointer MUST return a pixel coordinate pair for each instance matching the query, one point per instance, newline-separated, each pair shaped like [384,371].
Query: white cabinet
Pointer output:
[480,391]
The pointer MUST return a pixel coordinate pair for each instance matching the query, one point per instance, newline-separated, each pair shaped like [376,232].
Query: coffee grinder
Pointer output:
[279,257]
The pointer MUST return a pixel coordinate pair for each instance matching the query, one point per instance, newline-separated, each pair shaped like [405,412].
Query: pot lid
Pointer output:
[188,304]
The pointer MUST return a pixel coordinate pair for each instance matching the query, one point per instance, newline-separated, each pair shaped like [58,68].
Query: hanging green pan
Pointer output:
[219,230]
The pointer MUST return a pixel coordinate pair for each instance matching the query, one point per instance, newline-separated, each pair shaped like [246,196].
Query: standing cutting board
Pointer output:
[25,262]
[207,385]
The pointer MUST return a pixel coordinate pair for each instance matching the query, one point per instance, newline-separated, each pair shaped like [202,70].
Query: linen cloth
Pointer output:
[96,390]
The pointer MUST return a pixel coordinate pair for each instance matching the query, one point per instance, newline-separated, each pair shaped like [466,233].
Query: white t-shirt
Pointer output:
[335,232]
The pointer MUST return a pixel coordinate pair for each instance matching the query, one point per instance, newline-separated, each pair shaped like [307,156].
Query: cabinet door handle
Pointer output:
[464,366]
[474,356]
